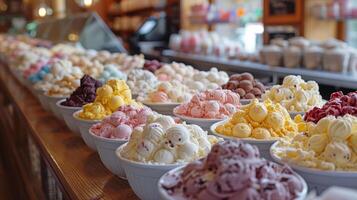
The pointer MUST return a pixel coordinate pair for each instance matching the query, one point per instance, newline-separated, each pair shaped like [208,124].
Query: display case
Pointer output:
[88,29]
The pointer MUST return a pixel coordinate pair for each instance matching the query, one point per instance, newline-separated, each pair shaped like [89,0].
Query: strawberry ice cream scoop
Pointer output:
[121,123]
[338,105]
[232,170]
[211,104]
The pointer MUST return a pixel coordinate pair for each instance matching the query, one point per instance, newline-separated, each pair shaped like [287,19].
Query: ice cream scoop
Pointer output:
[295,94]
[162,141]
[84,94]
[110,97]
[259,120]
[121,123]
[331,148]
[338,105]
[168,92]
[210,104]
[232,170]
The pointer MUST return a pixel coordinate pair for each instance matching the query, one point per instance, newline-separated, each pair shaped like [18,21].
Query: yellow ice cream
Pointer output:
[295,94]
[110,97]
[258,120]
[331,144]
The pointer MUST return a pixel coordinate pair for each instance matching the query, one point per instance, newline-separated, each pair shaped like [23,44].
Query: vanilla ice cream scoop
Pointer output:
[162,141]
[329,145]
[338,153]
[259,120]
[295,94]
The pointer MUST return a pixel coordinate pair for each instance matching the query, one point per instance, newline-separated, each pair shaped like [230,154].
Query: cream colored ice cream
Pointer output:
[110,97]
[328,145]
[62,70]
[168,92]
[295,94]
[259,120]
[64,87]
[162,141]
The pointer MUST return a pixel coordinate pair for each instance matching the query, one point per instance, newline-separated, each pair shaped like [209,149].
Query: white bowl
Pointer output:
[84,126]
[106,149]
[143,178]
[43,100]
[263,145]
[162,108]
[52,103]
[67,115]
[165,196]
[320,180]
[205,124]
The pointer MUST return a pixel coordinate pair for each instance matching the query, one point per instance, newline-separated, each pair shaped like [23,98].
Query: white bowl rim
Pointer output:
[186,118]
[105,139]
[160,104]
[311,170]
[58,103]
[54,97]
[163,192]
[141,164]
[84,120]
[249,140]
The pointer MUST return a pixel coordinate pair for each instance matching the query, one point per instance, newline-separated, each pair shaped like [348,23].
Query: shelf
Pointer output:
[142,11]
[236,66]
[77,169]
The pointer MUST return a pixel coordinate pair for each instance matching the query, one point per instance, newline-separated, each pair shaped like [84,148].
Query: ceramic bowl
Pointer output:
[142,177]
[106,148]
[162,108]
[67,115]
[43,100]
[84,126]
[319,180]
[263,145]
[205,124]
[165,196]
[51,100]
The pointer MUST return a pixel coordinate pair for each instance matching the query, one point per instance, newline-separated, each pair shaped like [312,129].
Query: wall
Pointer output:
[316,29]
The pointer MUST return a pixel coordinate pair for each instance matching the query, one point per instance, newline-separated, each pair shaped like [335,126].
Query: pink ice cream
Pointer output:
[121,123]
[211,104]
[233,170]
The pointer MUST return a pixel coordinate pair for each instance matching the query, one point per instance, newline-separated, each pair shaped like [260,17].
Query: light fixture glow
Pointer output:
[43,10]
[86,3]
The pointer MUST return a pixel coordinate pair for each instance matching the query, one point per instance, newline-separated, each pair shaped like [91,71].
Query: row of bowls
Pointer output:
[144,178]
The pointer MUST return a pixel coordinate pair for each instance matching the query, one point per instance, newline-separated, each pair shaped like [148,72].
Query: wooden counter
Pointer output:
[46,159]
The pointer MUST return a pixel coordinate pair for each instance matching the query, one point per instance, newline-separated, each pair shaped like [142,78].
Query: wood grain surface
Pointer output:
[78,169]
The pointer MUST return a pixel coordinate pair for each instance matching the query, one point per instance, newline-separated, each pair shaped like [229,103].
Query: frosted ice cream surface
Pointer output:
[338,105]
[331,144]
[121,123]
[111,72]
[64,87]
[61,72]
[162,141]
[84,94]
[259,120]
[204,80]
[141,81]
[168,92]
[110,97]
[245,85]
[210,104]
[295,94]
[233,170]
